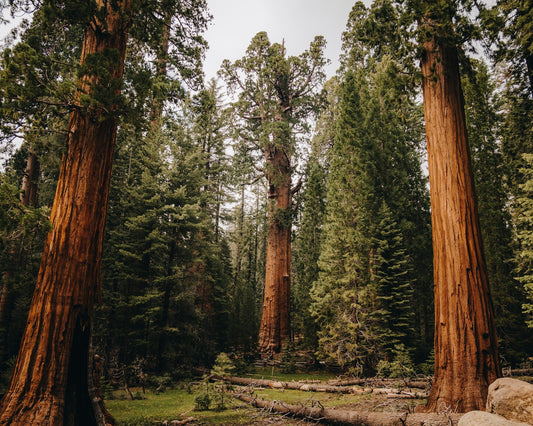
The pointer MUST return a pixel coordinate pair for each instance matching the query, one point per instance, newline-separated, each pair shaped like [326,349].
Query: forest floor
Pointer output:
[183,402]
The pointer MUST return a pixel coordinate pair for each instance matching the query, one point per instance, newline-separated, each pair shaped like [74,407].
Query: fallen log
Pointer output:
[347,417]
[422,384]
[308,387]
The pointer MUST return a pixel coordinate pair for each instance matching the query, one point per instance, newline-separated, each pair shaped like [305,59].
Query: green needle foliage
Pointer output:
[185,245]
[524,257]
[484,123]
[374,268]
[307,249]
[22,231]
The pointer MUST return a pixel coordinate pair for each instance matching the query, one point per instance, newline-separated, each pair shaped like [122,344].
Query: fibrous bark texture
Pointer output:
[51,380]
[275,319]
[466,350]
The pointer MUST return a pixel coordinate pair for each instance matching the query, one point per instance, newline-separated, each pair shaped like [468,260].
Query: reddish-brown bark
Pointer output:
[466,349]
[275,319]
[51,380]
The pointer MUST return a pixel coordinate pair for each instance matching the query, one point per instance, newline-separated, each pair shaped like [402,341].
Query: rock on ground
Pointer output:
[512,399]
[478,418]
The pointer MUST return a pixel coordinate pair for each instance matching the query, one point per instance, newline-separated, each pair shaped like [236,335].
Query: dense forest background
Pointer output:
[184,262]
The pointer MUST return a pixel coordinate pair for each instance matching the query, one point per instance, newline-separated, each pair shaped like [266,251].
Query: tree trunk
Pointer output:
[28,197]
[347,417]
[466,349]
[158,101]
[529,64]
[165,309]
[5,290]
[51,380]
[275,319]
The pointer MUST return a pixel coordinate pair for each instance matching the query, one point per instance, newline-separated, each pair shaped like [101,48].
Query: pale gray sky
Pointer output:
[235,22]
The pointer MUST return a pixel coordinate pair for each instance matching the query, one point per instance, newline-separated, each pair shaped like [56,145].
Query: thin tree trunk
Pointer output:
[5,290]
[161,72]
[217,211]
[165,309]
[51,380]
[275,319]
[3,300]
[240,242]
[28,197]
[466,348]
[529,63]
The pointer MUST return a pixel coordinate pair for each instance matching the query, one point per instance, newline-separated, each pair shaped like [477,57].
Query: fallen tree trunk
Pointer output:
[347,417]
[422,384]
[309,387]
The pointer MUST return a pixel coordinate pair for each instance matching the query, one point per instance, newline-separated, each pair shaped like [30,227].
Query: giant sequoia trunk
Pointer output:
[275,319]
[466,350]
[51,380]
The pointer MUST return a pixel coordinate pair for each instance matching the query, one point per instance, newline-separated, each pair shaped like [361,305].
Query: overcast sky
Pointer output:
[235,22]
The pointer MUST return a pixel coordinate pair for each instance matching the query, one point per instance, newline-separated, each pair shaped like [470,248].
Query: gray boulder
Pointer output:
[512,399]
[478,418]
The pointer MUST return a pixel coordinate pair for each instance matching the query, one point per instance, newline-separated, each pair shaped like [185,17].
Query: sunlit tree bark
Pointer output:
[51,381]
[275,318]
[466,349]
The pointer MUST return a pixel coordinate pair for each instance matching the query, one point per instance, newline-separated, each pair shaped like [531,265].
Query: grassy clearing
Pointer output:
[330,400]
[178,404]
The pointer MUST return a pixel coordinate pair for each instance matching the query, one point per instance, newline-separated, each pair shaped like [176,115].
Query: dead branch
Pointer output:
[518,372]
[297,187]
